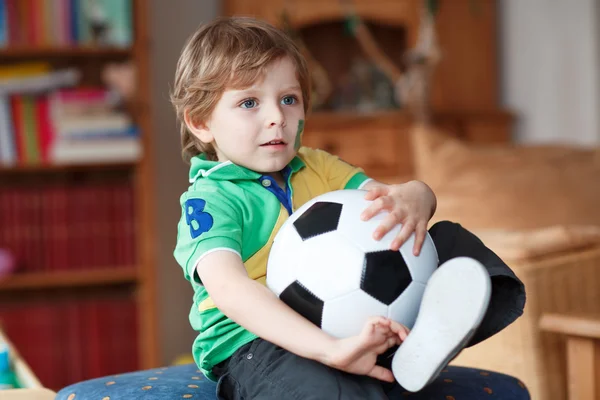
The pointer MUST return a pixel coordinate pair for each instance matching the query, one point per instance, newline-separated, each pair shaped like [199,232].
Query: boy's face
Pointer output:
[257,127]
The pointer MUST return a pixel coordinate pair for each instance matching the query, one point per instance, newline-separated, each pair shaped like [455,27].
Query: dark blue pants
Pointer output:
[508,292]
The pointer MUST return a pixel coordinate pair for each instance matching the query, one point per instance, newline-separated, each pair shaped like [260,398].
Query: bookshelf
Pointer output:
[62,51]
[52,168]
[76,298]
[56,280]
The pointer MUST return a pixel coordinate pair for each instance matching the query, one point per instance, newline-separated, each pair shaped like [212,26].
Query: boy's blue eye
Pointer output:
[288,100]
[250,103]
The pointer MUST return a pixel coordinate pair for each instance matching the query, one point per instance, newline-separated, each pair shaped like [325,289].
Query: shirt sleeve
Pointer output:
[340,174]
[209,222]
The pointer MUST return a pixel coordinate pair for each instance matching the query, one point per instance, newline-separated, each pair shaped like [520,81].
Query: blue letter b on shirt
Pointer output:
[198,220]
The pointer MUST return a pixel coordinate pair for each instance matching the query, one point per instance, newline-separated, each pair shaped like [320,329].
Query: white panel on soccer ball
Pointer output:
[406,307]
[282,263]
[329,265]
[346,315]
[425,264]
[359,231]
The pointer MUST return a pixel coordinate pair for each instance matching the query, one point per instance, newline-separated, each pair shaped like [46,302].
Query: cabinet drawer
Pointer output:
[376,151]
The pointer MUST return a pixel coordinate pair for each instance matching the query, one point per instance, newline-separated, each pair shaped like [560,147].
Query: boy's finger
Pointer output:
[399,330]
[377,322]
[386,344]
[382,203]
[380,320]
[407,230]
[388,223]
[375,192]
[420,232]
[403,334]
[397,327]
[383,374]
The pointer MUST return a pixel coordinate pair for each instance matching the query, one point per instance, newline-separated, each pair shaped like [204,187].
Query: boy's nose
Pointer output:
[275,117]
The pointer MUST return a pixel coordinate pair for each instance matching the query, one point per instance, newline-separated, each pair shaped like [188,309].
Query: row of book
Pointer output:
[65,341]
[66,23]
[44,120]
[78,226]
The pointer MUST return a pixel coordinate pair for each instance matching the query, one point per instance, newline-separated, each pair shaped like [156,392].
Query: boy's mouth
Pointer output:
[274,143]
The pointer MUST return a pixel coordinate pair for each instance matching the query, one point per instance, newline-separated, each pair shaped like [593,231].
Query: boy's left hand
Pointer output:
[411,204]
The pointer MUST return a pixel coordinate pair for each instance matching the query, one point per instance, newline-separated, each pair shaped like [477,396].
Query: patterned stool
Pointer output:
[186,382]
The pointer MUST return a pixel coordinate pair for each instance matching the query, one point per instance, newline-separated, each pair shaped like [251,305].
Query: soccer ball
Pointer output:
[325,264]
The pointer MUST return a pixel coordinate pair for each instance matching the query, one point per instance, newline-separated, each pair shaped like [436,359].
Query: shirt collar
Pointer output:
[228,171]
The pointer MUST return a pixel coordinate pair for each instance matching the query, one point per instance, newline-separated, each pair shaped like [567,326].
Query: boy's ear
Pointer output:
[199,129]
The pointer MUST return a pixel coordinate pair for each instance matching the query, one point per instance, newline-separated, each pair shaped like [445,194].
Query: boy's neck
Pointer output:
[278,176]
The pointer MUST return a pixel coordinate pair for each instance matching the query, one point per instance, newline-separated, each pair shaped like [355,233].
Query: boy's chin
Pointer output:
[272,166]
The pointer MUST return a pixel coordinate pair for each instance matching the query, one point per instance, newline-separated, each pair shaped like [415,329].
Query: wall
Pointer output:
[550,52]
[171,23]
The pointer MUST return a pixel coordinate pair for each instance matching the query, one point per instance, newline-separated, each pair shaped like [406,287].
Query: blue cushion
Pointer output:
[159,383]
[186,382]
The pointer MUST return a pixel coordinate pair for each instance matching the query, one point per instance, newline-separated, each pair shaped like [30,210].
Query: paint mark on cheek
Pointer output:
[298,142]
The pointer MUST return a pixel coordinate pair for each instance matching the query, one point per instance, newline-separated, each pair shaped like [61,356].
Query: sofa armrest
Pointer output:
[27,394]
[579,325]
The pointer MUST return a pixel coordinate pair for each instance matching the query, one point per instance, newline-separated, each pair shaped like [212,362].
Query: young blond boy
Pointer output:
[241,93]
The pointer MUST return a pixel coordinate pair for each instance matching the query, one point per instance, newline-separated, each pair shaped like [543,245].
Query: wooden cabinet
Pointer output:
[464,94]
[380,144]
[304,13]
[372,142]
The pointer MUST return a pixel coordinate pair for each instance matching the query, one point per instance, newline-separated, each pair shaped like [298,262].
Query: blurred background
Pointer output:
[494,104]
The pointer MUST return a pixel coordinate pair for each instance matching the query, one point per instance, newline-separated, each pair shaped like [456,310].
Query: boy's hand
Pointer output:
[411,204]
[358,354]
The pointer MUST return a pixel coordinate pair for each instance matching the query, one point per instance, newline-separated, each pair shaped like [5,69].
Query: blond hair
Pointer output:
[227,53]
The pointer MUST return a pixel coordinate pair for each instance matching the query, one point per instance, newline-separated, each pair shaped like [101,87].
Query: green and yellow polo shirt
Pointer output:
[230,208]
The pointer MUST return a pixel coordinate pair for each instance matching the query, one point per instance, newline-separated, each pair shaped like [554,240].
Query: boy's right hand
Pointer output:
[358,354]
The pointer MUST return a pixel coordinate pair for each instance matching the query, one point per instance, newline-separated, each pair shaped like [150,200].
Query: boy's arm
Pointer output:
[257,309]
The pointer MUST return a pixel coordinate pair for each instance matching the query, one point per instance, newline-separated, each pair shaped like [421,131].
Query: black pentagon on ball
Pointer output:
[320,218]
[385,275]
[304,302]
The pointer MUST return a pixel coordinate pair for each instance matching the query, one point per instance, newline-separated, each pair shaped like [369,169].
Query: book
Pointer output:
[3,24]
[40,83]
[126,149]
[8,153]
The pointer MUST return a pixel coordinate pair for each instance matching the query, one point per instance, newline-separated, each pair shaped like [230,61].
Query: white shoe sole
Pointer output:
[454,303]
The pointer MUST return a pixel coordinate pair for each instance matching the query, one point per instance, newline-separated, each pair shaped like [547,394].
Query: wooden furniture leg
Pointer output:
[582,335]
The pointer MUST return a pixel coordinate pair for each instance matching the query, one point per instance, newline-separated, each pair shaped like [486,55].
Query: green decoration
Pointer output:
[351,24]
[433,6]
[298,142]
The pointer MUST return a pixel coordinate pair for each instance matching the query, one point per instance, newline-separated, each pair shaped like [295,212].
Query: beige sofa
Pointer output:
[539,209]
[564,283]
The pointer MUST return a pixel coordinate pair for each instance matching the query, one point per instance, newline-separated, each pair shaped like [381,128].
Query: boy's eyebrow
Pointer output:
[292,87]
[250,90]
[238,93]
